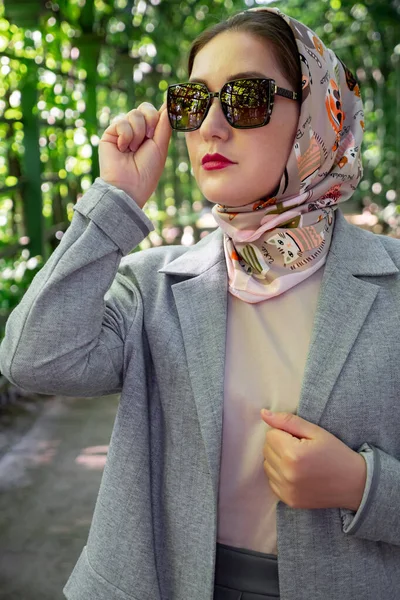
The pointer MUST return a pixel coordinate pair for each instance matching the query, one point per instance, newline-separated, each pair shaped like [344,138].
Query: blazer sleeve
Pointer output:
[66,336]
[377,517]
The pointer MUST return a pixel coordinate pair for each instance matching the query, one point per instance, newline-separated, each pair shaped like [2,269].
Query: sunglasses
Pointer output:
[246,103]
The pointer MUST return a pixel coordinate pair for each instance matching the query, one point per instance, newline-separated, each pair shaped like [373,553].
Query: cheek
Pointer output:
[263,162]
[285,126]
[278,144]
[264,156]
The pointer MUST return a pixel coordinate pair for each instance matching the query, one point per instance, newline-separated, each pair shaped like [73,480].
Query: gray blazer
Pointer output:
[152,326]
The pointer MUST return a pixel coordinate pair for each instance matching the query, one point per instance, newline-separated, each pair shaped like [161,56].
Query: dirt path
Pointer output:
[49,480]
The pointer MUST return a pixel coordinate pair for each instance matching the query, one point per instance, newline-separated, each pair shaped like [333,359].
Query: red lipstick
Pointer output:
[215,161]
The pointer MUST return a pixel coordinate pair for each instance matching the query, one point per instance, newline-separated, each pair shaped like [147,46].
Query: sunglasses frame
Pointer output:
[273,90]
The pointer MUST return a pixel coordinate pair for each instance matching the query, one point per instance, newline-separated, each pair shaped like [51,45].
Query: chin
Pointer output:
[225,196]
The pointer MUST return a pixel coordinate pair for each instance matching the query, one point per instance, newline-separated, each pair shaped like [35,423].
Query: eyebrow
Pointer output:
[235,76]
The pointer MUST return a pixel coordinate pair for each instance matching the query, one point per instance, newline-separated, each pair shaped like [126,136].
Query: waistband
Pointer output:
[253,573]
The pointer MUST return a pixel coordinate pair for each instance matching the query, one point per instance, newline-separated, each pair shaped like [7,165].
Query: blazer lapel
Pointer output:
[201,301]
[343,305]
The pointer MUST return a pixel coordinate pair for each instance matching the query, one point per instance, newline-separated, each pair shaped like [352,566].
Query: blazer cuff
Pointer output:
[352,520]
[379,517]
[116,214]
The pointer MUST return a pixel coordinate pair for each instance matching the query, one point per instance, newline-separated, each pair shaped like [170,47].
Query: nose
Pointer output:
[215,123]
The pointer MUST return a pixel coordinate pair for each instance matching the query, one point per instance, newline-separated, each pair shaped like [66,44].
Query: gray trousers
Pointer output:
[242,574]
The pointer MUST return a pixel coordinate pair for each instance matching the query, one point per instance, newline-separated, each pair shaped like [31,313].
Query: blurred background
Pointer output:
[67,68]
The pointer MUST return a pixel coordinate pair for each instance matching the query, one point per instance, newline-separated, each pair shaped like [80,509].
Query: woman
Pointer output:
[285,307]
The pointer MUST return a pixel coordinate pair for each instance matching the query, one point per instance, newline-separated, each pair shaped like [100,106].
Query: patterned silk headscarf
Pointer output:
[280,240]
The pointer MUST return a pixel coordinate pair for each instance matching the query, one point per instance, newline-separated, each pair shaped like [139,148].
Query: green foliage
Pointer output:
[67,68]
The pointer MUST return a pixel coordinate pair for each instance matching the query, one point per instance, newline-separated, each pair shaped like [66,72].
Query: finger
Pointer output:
[123,134]
[292,424]
[281,441]
[272,459]
[162,134]
[275,488]
[137,121]
[271,472]
[151,115]
[277,440]
[119,133]
[269,446]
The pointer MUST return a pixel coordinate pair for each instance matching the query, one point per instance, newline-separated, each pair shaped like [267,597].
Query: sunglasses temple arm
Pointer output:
[286,93]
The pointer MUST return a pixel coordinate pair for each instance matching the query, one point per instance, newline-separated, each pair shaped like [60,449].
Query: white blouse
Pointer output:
[266,351]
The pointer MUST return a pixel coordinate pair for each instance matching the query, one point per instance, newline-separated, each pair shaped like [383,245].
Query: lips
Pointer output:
[219,158]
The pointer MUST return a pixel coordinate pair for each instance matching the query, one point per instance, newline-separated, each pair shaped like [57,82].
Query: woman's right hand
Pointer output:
[131,157]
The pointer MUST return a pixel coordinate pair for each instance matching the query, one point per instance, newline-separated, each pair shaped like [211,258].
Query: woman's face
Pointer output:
[260,154]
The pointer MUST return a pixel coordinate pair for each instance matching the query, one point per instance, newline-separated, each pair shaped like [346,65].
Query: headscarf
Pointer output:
[277,242]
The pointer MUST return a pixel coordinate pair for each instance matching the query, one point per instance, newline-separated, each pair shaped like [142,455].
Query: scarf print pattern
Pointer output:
[277,242]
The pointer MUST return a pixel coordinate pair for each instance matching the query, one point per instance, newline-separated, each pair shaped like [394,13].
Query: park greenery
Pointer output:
[67,68]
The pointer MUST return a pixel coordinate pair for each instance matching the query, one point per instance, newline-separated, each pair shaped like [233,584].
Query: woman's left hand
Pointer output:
[308,467]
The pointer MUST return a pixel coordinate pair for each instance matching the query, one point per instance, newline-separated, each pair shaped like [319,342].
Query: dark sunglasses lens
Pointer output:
[187,104]
[246,102]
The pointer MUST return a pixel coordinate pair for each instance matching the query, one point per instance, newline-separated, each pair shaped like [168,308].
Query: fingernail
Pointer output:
[266,413]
